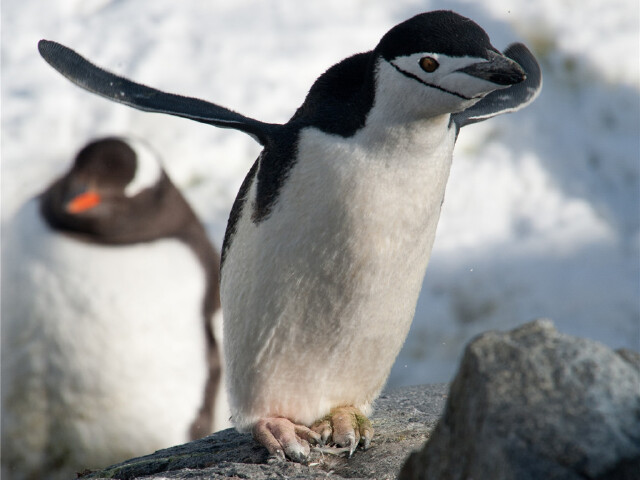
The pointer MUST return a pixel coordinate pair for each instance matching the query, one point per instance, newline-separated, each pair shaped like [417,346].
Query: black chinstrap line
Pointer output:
[415,77]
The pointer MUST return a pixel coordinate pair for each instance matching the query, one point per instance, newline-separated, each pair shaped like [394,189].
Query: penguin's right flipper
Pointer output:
[106,84]
[509,99]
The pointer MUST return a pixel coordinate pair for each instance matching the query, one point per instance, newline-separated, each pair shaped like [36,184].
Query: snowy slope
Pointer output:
[541,216]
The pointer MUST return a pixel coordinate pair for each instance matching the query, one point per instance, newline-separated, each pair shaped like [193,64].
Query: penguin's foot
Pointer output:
[281,437]
[346,427]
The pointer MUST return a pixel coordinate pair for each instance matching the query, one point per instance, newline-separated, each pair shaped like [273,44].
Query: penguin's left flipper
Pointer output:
[283,438]
[106,84]
[509,99]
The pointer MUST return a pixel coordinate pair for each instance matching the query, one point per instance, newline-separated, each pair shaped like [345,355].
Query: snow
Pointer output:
[542,212]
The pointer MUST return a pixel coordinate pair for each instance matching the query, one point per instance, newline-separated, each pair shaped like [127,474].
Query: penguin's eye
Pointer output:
[429,64]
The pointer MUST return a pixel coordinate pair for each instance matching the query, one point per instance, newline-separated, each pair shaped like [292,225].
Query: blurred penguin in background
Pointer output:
[111,320]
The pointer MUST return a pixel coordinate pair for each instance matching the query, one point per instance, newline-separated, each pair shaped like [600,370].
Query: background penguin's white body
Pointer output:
[362,267]
[104,354]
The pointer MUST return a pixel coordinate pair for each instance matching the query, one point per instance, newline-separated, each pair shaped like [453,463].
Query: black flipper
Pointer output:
[96,80]
[509,99]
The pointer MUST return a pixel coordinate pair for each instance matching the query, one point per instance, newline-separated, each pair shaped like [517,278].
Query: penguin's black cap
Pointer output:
[110,161]
[440,31]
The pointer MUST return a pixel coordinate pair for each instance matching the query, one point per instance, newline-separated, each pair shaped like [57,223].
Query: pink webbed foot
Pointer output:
[281,437]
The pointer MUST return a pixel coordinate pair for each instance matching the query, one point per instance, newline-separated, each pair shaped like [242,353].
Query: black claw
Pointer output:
[277,457]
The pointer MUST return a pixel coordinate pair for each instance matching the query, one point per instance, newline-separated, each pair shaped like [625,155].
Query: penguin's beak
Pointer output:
[497,69]
[83,201]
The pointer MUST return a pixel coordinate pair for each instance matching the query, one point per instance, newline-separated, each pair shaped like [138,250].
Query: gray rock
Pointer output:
[535,404]
[402,421]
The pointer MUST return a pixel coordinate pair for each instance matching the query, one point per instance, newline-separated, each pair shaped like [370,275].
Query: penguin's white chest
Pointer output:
[103,349]
[322,292]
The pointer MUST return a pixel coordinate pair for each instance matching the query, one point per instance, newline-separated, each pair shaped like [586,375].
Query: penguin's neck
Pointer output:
[397,136]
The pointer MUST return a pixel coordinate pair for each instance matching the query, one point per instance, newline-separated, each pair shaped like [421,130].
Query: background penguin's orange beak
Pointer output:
[83,202]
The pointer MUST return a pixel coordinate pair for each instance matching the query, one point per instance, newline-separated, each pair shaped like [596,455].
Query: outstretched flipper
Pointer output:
[101,82]
[509,99]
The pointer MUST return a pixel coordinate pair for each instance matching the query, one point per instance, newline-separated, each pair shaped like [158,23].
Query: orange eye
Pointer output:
[429,64]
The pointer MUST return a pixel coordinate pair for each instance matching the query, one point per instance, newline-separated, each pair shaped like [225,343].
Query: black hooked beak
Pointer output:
[497,69]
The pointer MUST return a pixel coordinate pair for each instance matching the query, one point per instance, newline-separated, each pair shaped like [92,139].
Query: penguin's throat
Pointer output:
[429,132]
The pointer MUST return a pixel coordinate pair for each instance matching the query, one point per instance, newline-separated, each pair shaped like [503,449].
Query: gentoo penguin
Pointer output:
[109,292]
[330,235]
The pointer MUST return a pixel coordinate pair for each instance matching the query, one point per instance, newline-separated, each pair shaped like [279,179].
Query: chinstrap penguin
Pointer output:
[330,235]
[110,295]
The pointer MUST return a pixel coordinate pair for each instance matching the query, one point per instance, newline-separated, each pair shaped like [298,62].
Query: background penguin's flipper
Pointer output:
[96,80]
[509,99]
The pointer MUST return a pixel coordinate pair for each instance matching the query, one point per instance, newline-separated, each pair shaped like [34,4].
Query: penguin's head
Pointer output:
[439,62]
[115,192]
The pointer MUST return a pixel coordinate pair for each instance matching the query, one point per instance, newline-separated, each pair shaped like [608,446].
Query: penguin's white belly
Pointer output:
[319,296]
[103,351]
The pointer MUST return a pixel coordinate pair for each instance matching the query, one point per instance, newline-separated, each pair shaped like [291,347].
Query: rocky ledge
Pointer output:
[402,422]
[528,404]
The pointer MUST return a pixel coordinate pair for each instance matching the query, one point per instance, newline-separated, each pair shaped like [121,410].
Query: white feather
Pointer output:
[148,168]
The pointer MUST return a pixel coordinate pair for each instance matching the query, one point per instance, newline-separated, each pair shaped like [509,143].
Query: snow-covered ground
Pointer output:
[542,211]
